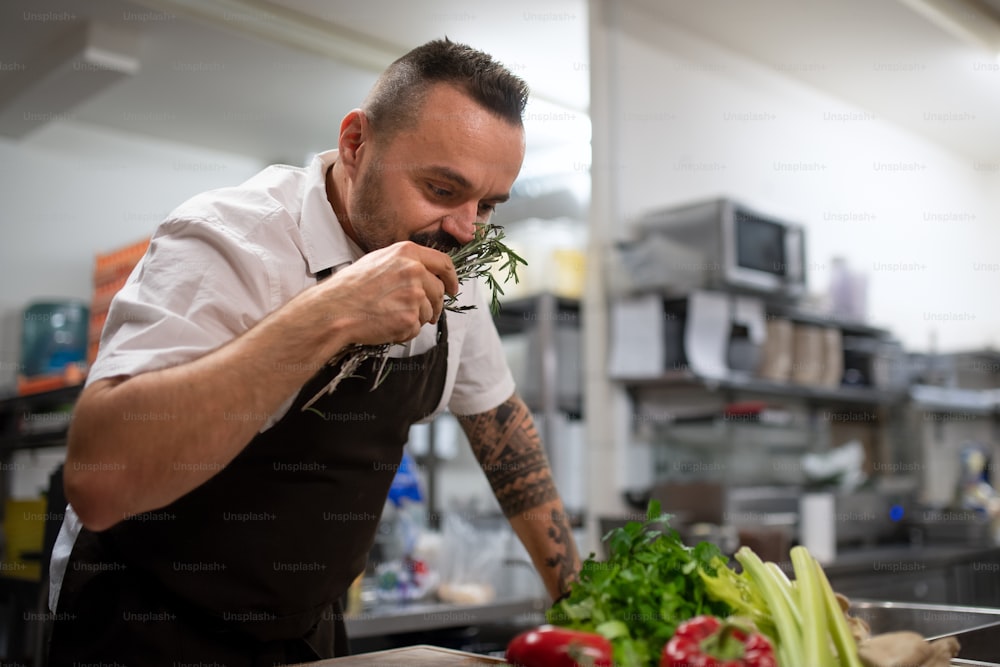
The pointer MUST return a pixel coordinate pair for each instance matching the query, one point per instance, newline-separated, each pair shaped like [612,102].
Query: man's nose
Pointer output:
[460,225]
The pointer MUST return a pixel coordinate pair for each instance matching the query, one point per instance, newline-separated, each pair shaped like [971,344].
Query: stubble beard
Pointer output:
[378,221]
[372,223]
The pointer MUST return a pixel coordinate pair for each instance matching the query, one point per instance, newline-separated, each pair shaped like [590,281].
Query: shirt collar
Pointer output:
[326,243]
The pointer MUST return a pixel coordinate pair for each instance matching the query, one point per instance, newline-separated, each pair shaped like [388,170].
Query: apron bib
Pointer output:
[249,568]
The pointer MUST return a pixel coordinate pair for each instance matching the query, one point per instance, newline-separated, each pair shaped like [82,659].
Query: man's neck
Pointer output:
[334,178]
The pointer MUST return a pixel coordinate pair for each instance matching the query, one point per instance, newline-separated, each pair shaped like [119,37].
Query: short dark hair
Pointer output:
[395,100]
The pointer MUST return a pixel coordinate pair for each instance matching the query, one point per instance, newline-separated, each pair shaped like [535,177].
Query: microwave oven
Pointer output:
[732,247]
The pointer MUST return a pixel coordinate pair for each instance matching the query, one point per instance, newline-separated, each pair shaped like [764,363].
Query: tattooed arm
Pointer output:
[510,452]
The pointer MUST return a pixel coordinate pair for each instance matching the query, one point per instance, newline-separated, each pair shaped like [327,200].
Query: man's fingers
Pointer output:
[434,289]
[440,265]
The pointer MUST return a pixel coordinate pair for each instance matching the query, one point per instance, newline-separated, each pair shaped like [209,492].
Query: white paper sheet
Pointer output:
[637,338]
[706,335]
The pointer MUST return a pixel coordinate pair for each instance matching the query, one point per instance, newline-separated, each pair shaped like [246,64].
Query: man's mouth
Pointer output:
[439,240]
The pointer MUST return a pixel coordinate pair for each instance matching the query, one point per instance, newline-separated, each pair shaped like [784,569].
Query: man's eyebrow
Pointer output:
[461,181]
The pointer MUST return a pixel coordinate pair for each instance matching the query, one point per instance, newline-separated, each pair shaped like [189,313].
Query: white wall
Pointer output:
[72,191]
[690,120]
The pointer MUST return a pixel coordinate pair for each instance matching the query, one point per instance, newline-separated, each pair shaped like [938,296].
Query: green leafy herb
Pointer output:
[478,258]
[642,592]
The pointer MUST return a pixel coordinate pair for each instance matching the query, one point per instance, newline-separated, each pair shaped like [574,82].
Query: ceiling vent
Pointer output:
[63,74]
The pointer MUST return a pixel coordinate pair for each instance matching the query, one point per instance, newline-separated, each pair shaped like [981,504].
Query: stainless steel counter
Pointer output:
[384,619]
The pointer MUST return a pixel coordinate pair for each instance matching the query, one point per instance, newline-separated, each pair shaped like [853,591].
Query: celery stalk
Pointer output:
[847,647]
[787,590]
[789,641]
[812,604]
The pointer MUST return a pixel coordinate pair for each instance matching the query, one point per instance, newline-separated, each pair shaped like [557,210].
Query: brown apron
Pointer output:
[248,568]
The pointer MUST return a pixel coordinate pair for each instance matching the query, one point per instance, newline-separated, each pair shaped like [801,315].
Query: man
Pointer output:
[212,518]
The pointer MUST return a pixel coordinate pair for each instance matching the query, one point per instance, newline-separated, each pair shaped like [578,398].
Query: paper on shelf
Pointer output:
[706,336]
[637,337]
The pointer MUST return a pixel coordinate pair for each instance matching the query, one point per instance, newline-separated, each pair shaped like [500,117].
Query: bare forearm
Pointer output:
[139,444]
[506,443]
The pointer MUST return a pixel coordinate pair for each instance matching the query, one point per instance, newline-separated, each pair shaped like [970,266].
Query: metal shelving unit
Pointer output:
[735,383]
[553,392]
[17,411]
[32,421]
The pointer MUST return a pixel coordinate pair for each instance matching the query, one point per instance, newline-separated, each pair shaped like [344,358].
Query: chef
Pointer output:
[213,518]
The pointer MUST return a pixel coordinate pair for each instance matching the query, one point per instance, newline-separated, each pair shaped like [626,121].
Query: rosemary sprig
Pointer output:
[481,257]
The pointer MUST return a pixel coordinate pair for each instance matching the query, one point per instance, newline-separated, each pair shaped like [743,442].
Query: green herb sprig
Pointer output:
[475,259]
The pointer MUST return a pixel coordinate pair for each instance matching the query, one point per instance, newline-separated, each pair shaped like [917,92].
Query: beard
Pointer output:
[439,240]
[373,220]
[379,222]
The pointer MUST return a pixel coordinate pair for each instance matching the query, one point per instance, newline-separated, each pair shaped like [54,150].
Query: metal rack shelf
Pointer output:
[51,403]
[843,394]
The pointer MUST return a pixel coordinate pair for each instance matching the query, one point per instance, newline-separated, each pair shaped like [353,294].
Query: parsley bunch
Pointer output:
[637,597]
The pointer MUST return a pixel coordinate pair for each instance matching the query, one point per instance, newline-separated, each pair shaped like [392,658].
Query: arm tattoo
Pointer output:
[563,562]
[509,451]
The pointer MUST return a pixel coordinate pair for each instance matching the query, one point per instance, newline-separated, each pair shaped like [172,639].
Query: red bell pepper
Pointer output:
[554,646]
[706,641]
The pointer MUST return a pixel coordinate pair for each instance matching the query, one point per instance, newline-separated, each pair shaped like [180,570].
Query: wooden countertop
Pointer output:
[411,656]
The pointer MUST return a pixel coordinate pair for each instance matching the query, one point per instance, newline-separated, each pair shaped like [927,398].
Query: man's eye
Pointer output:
[438,192]
[487,209]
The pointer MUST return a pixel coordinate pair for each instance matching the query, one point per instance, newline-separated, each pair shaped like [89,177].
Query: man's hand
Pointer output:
[389,294]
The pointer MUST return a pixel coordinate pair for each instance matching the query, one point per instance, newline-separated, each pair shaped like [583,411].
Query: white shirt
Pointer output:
[223,260]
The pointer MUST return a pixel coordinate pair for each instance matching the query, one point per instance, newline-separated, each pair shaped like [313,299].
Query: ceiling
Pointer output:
[272,78]
[938,78]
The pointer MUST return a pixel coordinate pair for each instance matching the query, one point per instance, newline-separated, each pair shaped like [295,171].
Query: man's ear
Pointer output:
[354,134]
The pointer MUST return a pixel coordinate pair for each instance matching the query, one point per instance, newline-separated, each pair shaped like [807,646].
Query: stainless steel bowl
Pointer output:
[976,628]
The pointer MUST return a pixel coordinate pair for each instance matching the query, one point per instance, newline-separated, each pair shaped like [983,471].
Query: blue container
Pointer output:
[53,335]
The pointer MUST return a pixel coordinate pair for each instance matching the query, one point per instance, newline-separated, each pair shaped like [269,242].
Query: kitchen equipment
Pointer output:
[848,292]
[743,250]
[862,516]
[833,358]
[724,333]
[865,516]
[699,501]
[874,362]
[951,526]
[807,364]
[53,335]
[818,526]
[976,628]
[981,643]
[776,355]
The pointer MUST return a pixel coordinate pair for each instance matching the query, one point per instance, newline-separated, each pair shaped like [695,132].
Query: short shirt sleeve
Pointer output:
[199,285]
[484,380]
